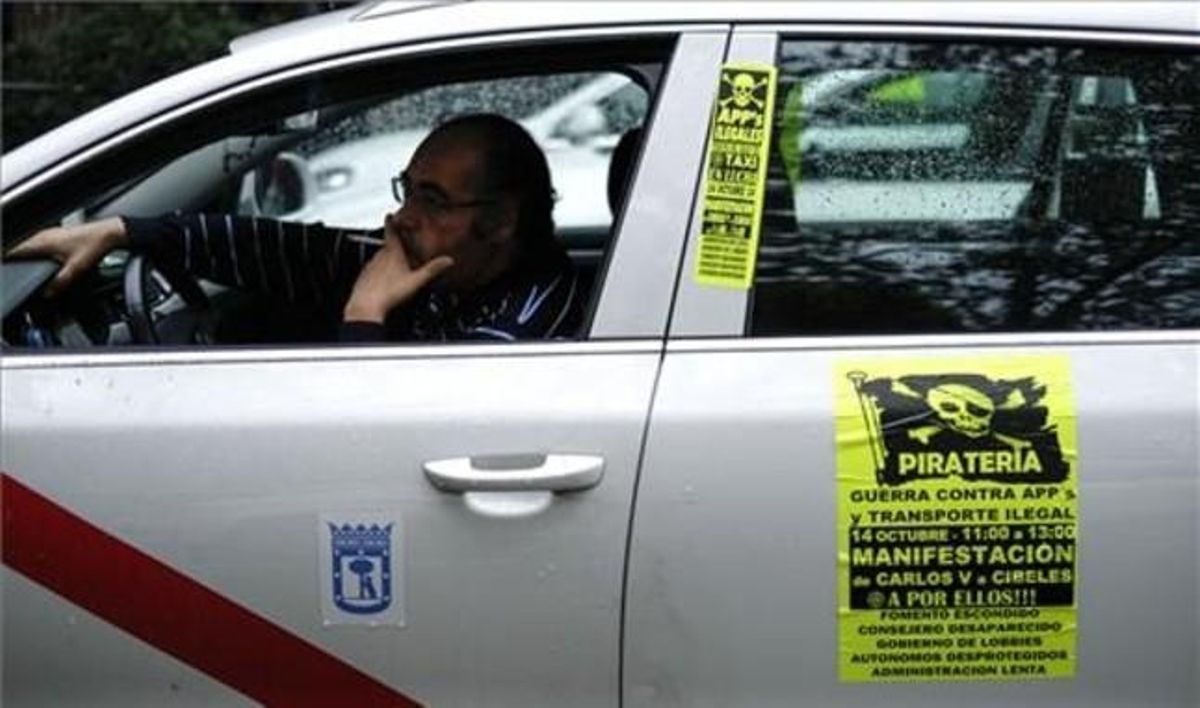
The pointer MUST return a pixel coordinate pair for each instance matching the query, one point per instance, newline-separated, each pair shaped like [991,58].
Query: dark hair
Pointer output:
[513,164]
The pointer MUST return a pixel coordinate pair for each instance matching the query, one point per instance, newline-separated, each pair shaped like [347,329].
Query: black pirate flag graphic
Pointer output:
[957,500]
[966,425]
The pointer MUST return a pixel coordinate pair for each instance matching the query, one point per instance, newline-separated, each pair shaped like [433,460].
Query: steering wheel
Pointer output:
[165,304]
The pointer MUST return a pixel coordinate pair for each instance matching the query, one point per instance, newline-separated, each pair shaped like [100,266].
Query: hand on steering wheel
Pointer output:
[78,249]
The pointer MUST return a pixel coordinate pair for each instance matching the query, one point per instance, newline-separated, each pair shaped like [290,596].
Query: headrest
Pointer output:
[620,166]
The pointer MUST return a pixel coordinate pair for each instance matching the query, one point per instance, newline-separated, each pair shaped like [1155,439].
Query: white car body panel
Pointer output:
[732,591]
[342,427]
[543,591]
[701,570]
[121,670]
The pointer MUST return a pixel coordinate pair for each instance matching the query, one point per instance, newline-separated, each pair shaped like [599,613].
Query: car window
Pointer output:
[350,159]
[930,187]
[324,162]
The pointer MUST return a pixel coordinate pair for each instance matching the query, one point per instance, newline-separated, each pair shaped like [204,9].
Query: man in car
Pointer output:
[469,255]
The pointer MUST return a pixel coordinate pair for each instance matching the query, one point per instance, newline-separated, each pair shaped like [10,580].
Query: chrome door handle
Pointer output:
[516,473]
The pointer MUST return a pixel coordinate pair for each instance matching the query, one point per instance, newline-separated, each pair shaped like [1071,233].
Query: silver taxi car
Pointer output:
[887,392]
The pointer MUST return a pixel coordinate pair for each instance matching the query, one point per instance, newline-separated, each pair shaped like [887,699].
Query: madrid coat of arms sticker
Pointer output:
[361,562]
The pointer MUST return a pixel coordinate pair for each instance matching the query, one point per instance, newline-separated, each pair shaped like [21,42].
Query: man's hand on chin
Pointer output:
[388,280]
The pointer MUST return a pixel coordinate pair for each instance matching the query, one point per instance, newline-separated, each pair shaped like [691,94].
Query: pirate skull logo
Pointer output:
[743,86]
[962,408]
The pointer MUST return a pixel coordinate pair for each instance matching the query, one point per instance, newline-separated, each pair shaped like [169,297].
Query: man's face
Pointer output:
[445,211]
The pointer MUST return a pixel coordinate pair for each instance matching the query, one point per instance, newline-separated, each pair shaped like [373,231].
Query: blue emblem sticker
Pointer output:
[362,567]
[360,560]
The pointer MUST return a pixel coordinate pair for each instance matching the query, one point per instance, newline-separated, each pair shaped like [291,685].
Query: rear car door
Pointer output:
[943,452]
[438,524]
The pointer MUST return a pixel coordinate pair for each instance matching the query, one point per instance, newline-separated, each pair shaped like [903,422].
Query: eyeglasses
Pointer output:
[428,199]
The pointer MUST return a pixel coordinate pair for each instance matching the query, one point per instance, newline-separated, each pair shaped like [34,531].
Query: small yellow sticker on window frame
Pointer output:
[957,498]
[736,175]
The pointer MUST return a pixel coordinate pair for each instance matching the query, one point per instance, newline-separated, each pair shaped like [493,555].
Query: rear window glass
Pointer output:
[935,187]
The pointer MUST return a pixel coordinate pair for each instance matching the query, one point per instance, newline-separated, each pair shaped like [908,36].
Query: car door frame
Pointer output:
[617,365]
[722,605]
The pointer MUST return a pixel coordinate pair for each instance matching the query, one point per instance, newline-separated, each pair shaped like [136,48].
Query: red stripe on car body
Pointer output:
[170,611]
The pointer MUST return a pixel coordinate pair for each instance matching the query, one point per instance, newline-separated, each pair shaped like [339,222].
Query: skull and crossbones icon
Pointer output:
[967,411]
[962,408]
[743,87]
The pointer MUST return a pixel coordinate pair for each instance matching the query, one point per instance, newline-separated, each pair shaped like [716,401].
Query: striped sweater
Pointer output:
[315,267]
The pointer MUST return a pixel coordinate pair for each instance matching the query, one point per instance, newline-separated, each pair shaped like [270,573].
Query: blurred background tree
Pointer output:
[62,59]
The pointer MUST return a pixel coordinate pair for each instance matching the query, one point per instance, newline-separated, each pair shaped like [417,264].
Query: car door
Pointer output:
[440,524]
[831,509]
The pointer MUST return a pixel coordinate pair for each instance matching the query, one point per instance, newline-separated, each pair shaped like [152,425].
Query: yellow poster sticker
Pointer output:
[957,519]
[736,175]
